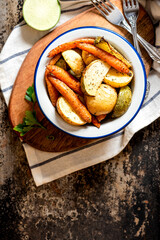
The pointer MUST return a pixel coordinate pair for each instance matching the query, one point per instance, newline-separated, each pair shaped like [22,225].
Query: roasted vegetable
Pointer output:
[101,117]
[52,91]
[103,102]
[93,76]
[105,56]
[69,45]
[61,63]
[65,77]
[55,59]
[72,99]
[95,122]
[88,57]
[101,43]
[117,79]
[86,76]
[67,113]
[74,60]
[123,102]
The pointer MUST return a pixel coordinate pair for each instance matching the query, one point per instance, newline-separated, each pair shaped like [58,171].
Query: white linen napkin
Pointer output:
[47,166]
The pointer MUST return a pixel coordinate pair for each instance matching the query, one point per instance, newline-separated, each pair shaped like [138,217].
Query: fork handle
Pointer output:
[135,41]
[153,52]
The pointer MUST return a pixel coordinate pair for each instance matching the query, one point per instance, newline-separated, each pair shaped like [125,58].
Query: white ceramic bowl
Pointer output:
[138,85]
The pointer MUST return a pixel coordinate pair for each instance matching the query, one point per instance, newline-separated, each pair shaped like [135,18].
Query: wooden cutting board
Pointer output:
[38,138]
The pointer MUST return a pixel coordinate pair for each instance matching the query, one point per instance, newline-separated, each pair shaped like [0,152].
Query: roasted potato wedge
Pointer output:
[103,102]
[101,43]
[74,60]
[67,112]
[117,79]
[88,57]
[93,76]
[123,102]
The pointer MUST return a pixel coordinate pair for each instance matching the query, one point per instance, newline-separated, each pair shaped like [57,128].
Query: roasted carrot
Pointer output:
[69,45]
[54,59]
[95,122]
[106,57]
[101,117]
[65,77]
[52,91]
[72,98]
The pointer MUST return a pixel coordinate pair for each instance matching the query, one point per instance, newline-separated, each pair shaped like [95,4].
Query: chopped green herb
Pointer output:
[29,122]
[30,94]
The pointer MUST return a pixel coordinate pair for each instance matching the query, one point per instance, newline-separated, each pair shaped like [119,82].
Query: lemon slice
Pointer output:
[117,79]
[41,14]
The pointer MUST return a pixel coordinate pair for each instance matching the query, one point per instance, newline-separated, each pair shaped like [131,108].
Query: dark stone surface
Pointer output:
[117,199]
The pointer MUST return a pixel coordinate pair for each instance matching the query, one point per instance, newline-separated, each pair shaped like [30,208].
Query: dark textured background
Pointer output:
[118,199]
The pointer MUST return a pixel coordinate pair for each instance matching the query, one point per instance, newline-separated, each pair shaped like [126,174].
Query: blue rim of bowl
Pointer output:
[107,30]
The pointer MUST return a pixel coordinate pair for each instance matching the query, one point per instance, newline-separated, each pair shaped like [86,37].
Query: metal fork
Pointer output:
[131,11]
[114,15]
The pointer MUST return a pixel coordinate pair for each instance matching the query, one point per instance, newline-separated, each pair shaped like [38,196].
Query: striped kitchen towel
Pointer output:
[47,166]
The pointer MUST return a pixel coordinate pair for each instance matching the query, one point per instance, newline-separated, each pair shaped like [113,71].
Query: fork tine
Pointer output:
[98,8]
[107,6]
[110,4]
[124,4]
[128,3]
[105,10]
[137,4]
[132,3]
